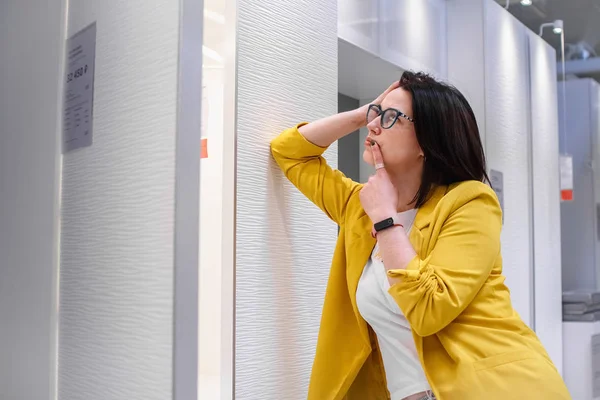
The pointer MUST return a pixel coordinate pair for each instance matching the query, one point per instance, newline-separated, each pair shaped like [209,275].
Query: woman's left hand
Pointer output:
[378,196]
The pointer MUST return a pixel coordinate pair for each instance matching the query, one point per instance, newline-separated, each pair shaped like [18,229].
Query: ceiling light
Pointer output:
[526,2]
[558,26]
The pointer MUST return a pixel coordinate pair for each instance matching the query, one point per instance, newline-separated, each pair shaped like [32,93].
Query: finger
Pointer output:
[382,96]
[377,156]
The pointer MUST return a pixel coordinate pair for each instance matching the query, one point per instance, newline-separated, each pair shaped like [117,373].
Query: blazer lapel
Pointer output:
[423,217]
[360,245]
[419,237]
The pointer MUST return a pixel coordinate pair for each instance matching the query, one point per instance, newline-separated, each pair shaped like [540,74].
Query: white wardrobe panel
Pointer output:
[358,23]
[287,73]
[118,210]
[465,27]
[412,34]
[546,197]
[408,33]
[507,144]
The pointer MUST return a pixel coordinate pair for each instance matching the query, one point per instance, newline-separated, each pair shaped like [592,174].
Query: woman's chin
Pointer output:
[367,157]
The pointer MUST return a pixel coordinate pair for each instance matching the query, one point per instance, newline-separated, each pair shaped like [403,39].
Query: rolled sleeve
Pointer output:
[434,290]
[410,274]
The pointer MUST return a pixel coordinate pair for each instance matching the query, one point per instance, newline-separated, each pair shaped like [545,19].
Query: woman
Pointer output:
[416,299]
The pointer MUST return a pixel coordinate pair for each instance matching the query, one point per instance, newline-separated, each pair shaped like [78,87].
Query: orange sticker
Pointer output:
[566,195]
[204,148]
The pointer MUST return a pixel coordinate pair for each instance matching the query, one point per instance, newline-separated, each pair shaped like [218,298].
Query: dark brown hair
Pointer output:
[447,132]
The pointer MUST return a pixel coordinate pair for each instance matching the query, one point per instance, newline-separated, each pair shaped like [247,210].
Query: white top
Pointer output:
[403,369]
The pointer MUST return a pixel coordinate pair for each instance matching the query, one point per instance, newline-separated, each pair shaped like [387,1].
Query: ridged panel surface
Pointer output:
[546,197]
[507,144]
[116,277]
[287,73]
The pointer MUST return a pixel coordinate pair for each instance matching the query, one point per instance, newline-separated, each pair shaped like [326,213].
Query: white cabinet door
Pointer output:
[358,23]
[412,34]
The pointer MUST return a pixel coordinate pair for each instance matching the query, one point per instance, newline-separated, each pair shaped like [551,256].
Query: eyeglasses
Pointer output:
[388,116]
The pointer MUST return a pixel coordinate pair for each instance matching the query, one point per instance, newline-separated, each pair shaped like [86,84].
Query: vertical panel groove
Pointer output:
[532,177]
[187,201]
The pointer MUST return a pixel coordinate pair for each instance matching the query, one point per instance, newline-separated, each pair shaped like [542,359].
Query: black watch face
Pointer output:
[386,223]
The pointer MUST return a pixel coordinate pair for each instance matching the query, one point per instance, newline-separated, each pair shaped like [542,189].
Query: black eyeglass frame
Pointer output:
[381,112]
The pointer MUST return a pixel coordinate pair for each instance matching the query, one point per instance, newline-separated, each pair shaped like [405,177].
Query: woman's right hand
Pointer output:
[363,110]
[380,98]
[327,130]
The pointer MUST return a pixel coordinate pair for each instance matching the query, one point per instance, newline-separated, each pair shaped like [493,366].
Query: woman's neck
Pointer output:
[407,188]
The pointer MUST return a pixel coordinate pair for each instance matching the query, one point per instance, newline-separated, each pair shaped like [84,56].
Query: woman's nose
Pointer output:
[374,127]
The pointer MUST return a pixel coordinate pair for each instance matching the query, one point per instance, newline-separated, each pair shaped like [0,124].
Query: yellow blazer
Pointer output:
[471,342]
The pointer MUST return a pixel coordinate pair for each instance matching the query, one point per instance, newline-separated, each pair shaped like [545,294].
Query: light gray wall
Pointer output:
[350,145]
[31,44]
[287,73]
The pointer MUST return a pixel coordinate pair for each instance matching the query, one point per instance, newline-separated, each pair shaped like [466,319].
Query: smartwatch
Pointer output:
[386,223]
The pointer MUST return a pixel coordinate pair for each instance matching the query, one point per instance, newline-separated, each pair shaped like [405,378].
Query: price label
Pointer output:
[497,182]
[79,89]
[566,177]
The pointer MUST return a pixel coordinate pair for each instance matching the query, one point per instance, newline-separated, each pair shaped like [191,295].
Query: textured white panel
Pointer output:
[507,144]
[287,72]
[546,197]
[116,293]
[31,48]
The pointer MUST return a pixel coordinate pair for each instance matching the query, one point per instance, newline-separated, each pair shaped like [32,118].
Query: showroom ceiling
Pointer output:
[581,22]
[581,19]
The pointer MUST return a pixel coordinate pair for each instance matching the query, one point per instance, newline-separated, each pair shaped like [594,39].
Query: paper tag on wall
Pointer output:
[566,177]
[204,148]
[497,182]
[78,100]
